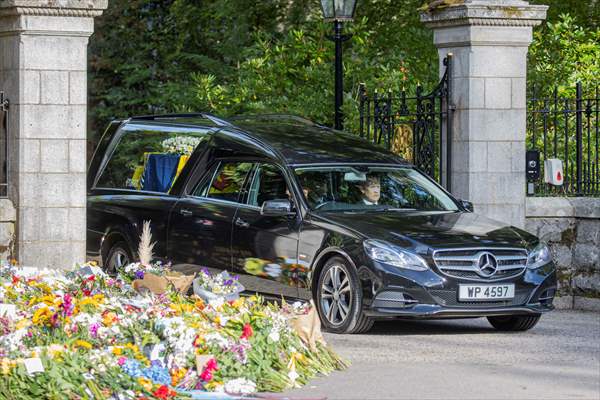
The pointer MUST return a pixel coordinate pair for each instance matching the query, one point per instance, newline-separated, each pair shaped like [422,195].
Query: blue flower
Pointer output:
[132,368]
[139,274]
[157,374]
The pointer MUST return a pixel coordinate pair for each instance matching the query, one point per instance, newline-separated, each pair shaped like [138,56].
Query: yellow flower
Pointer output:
[117,351]
[88,301]
[41,315]
[82,344]
[213,385]
[24,323]
[181,308]
[5,366]
[238,303]
[177,375]
[145,383]
[55,350]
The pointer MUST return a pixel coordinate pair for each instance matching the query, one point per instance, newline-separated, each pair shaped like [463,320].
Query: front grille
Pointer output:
[449,298]
[464,263]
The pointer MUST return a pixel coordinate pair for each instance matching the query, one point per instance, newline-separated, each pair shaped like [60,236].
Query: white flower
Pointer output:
[274,335]
[240,386]
[215,338]
[293,375]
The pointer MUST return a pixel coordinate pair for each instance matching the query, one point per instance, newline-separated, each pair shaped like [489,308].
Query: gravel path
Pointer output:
[467,359]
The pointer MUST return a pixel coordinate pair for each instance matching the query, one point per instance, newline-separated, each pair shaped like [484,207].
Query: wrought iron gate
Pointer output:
[416,127]
[4,125]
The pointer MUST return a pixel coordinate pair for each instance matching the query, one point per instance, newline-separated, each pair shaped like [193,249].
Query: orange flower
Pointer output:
[109,318]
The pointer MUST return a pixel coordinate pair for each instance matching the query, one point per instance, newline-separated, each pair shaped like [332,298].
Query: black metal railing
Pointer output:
[566,128]
[4,129]
[417,127]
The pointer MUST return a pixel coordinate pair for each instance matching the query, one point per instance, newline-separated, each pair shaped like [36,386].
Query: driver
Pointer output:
[370,190]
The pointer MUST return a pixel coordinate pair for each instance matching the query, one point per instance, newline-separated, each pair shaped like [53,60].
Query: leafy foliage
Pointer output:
[249,56]
[563,54]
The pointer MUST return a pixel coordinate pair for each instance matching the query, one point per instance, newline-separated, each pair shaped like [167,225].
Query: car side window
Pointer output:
[268,183]
[150,158]
[227,181]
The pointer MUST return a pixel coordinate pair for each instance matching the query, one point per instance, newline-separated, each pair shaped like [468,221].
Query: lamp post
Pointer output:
[338,11]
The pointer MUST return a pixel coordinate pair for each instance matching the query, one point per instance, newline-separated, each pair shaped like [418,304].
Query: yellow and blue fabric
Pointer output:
[159,172]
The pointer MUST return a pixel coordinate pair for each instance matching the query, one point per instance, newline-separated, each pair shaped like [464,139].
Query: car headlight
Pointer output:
[391,255]
[539,256]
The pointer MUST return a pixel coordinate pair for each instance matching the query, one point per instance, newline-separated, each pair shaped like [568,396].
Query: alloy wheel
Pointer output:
[119,259]
[336,295]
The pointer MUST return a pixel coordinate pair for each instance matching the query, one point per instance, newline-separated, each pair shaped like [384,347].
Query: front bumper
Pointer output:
[389,292]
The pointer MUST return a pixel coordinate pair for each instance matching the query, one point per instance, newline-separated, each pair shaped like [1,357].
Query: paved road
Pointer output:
[467,359]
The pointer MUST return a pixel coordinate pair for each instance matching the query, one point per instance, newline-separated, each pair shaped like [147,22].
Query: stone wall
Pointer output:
[43,72]
[7,229]
[572,228]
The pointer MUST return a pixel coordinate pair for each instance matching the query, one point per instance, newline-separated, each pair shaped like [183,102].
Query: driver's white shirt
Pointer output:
[369,203]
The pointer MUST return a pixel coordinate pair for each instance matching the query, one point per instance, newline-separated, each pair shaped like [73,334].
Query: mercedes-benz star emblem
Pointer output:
[487,263]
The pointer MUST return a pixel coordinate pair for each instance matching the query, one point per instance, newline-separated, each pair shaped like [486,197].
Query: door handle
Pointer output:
[241,223]
[185,213]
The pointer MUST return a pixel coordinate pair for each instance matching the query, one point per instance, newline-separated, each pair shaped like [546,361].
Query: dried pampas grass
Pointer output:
[146,247]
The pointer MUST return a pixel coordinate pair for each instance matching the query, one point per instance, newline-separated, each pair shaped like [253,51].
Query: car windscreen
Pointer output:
[356,188]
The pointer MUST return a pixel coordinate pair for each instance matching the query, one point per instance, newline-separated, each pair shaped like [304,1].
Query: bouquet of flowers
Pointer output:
[210,287]
[87,335]
[183,145]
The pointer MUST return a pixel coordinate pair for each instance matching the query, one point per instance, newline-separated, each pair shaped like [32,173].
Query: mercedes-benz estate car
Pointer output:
[298,210]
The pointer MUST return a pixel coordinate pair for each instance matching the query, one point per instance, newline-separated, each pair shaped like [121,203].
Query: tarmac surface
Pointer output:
[467,359]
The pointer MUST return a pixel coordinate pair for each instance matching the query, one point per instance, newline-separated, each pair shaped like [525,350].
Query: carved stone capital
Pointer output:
[53,8]
[483,13]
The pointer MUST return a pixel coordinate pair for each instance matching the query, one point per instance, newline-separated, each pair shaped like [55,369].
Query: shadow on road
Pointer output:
[441,327]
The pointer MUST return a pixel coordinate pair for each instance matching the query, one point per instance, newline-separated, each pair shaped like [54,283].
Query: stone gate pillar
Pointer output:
[43,72]
[489,40]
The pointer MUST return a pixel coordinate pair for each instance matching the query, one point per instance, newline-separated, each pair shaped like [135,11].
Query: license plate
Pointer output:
[486,292]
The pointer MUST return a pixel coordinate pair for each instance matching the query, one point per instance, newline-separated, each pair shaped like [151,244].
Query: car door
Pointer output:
[200,225]
[265,248]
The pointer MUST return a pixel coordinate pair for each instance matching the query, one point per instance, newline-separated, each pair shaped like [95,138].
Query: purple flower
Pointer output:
[94,330]
[205,271]
[228,282]
[139,274]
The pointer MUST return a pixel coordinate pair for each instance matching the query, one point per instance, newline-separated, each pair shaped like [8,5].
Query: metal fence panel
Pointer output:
[566,128]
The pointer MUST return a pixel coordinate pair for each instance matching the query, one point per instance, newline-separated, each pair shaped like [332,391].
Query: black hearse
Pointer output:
[303,211]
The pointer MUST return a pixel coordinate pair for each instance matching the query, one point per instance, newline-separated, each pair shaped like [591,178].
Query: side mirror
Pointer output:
[467,205]
[276,208]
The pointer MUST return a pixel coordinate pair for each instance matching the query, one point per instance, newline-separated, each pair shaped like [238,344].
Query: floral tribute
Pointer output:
[86,335]
[183,145]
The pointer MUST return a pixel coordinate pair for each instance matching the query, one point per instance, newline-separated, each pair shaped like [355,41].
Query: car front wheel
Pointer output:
[514,323]
[118,257]
[339,299]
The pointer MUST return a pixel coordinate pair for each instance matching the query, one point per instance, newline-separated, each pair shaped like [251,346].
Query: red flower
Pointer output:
[164,392]
[247,332]
[15,280]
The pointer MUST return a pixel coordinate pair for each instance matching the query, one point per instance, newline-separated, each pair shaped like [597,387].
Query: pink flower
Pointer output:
[212,365]
[206,375]
[121,361]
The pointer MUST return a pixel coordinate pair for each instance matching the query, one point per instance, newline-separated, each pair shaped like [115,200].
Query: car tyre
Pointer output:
[514,323]
[118,256]
[339,298]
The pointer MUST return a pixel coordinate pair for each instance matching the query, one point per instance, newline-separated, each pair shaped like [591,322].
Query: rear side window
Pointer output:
[227,181]
[150,158]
